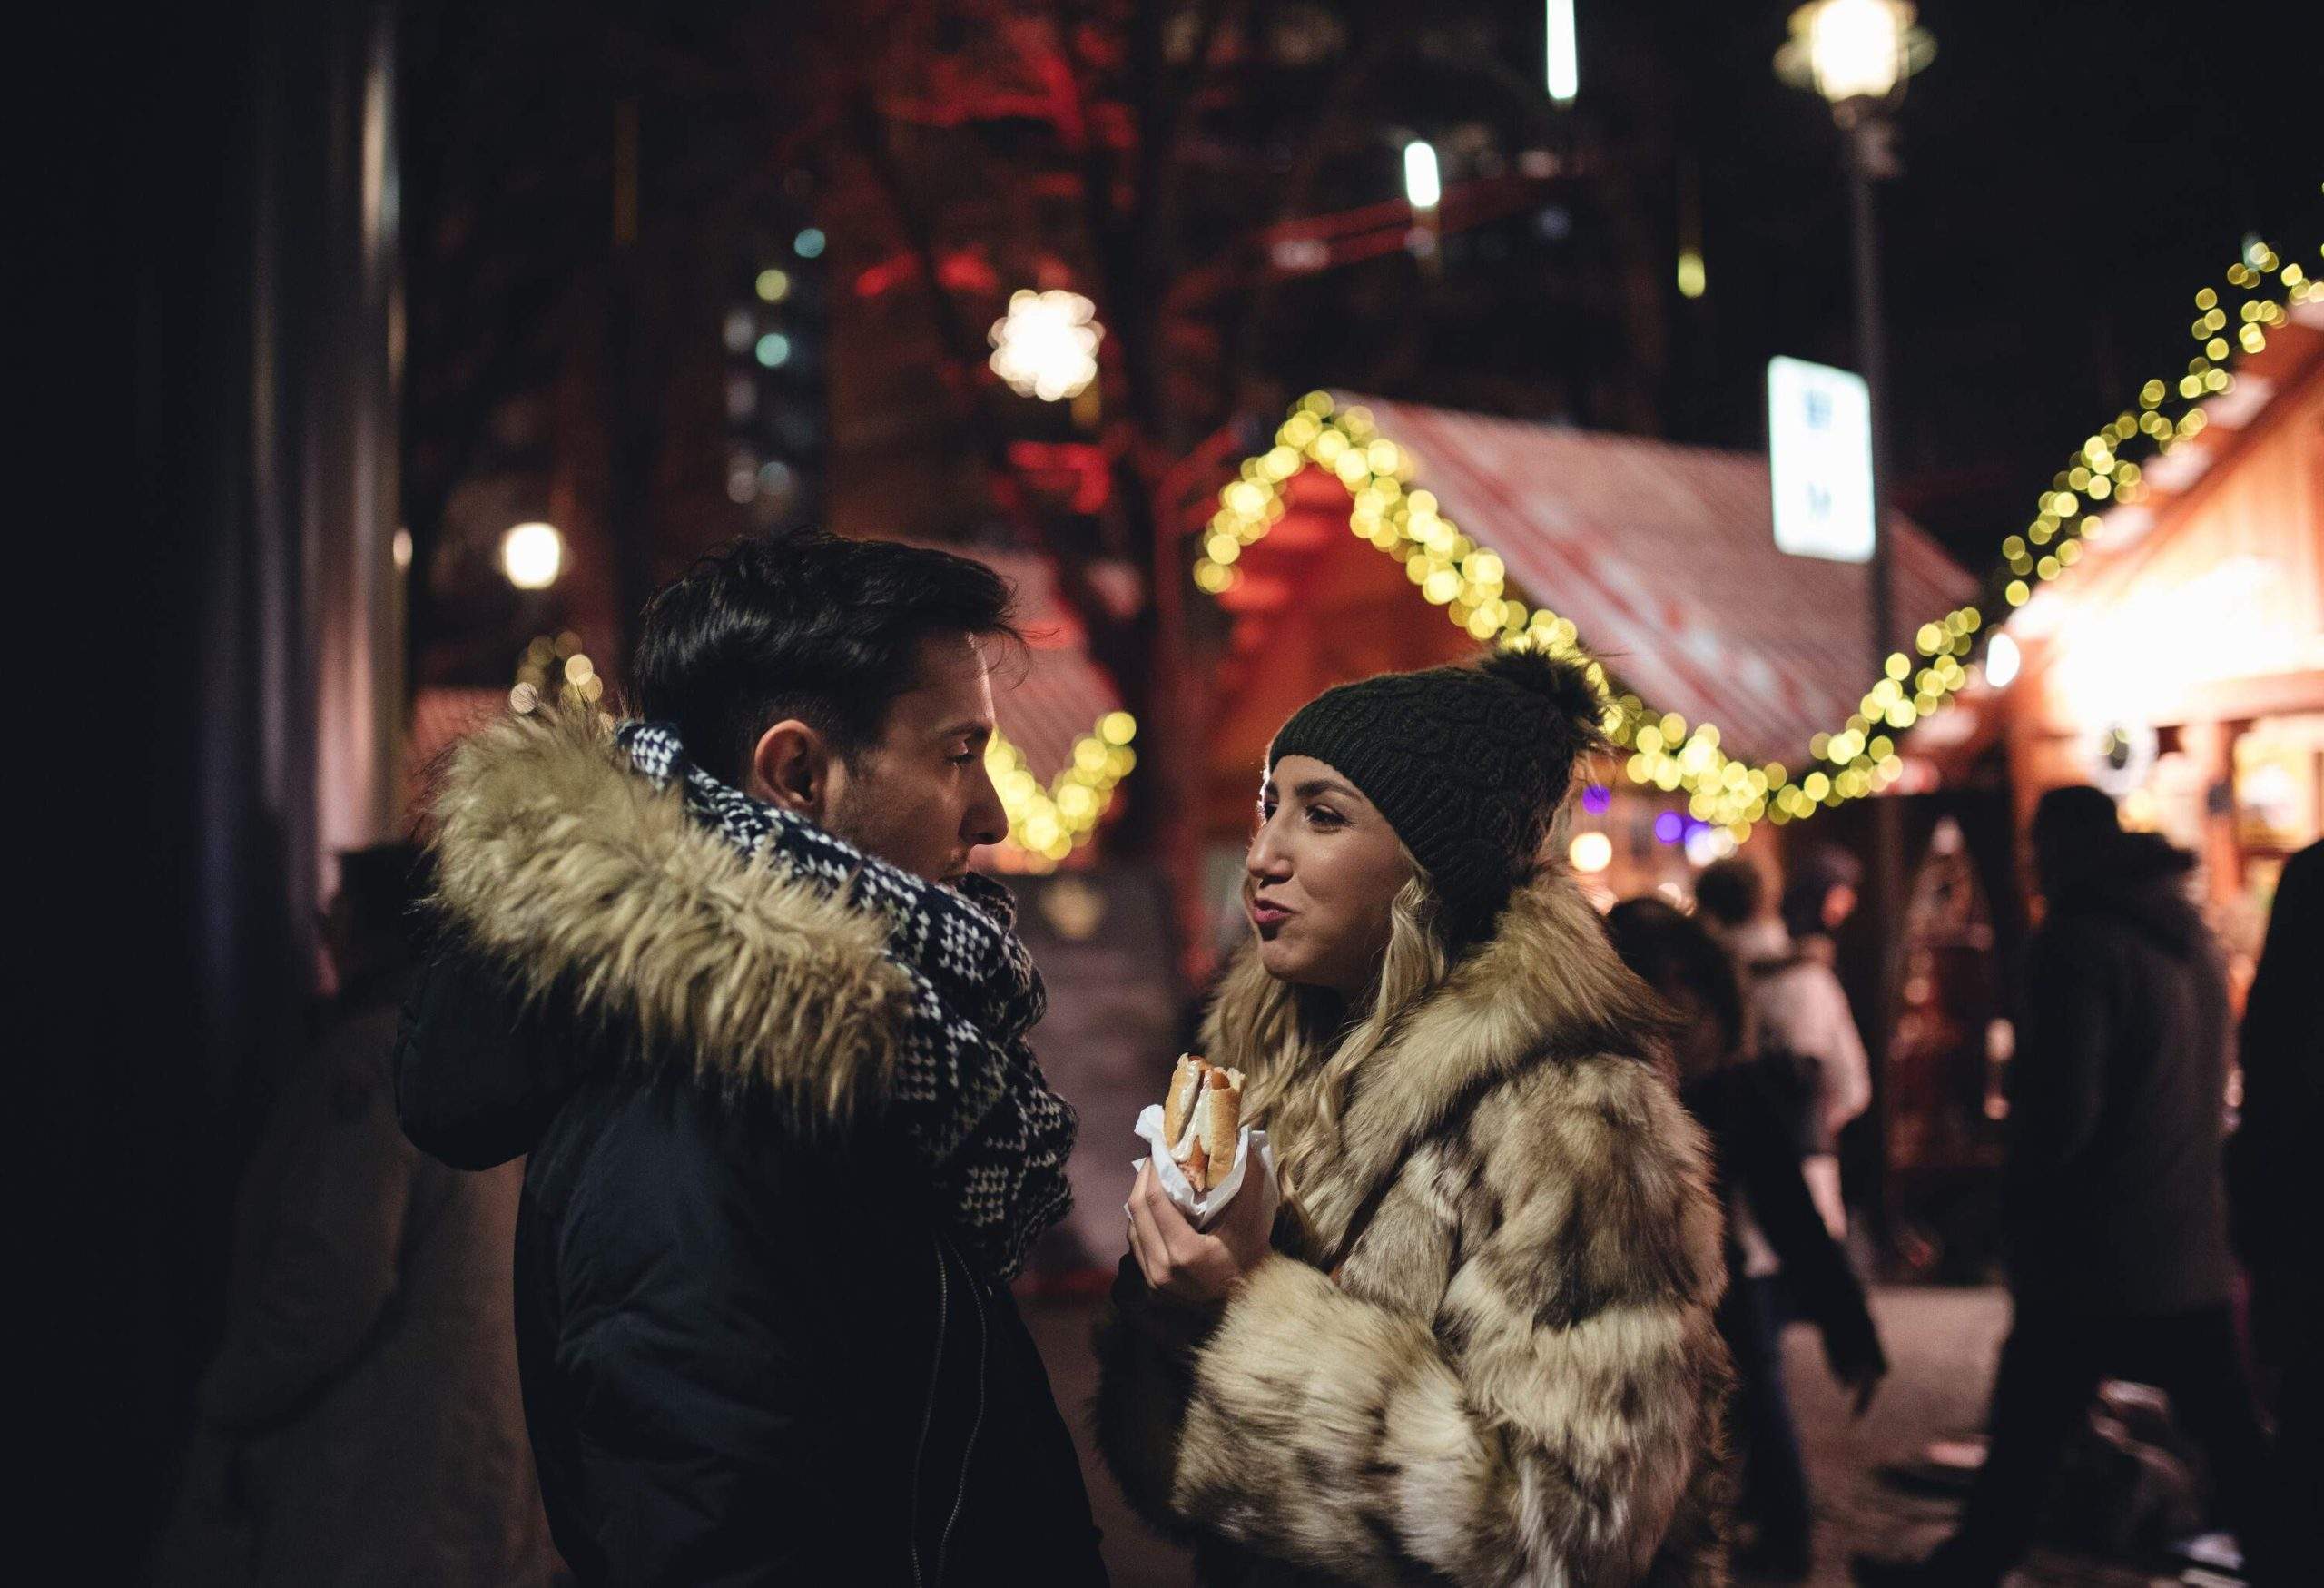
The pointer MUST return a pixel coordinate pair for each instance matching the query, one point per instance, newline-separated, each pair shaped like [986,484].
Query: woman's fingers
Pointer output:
[1177,1260]
[1146,1236]
[1180,1240]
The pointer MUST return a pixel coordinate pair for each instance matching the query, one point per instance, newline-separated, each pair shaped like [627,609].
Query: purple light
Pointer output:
[1668,828]
[1597,798]
[1693,826]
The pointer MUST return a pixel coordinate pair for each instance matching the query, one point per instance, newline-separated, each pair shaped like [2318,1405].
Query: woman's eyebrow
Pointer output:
[1315,786]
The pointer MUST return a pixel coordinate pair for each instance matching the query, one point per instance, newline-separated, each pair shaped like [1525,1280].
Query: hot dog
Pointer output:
[1201,1118]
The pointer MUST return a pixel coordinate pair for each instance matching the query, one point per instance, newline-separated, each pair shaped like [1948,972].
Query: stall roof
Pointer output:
[1664,557]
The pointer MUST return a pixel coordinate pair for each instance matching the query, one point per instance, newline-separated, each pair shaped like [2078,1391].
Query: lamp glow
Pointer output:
[532,555]
[1045,346]
[1849,50]
[1422,185]
[1564,64]
[1690,273]
[1590,852]
[2001,660]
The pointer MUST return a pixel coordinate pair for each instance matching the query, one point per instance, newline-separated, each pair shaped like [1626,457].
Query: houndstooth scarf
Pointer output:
[968,1096]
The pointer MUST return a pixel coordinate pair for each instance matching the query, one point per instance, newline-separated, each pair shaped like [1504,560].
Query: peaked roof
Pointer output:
[1664,557]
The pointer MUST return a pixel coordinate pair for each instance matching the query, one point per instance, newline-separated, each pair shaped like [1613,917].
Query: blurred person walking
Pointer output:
[724,971]
[1819,894]
[2114,1201]
[2271,1180]
[1804,1036]
[361,1422]
[1477,1346]
[1755,1162]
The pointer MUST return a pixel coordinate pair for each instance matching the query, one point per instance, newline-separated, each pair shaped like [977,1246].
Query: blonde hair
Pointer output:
[1304,1045]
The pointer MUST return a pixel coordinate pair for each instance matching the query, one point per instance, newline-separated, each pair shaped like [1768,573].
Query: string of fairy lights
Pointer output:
[1452,571]
[1045,823]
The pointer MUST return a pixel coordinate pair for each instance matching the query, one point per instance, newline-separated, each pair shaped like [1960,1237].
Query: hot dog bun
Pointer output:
[1202,1119]
[1178,1107]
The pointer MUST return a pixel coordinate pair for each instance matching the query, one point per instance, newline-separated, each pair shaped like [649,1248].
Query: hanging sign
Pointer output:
[1819,460]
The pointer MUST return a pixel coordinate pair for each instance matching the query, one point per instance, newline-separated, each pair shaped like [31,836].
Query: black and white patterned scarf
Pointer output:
[968,1096]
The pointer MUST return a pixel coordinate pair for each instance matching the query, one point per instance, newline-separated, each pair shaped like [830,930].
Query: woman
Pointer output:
[1478,1347]
[1756,1164]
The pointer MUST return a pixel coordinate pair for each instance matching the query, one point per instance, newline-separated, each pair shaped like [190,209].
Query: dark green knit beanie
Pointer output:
[1469,765]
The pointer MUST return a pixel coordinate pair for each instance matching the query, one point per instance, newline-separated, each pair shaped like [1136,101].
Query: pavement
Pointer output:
[1941,1342]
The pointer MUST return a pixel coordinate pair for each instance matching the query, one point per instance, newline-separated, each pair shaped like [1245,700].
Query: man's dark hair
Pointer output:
[1731,891]
[803,625]
[2076,832]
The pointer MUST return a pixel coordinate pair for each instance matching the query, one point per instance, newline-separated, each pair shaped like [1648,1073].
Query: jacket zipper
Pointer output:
[928,1412]
[968,1453]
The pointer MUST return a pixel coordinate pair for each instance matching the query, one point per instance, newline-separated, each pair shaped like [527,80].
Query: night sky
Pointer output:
[2073,173]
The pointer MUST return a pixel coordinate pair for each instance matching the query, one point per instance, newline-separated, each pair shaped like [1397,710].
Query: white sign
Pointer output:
[1819,460]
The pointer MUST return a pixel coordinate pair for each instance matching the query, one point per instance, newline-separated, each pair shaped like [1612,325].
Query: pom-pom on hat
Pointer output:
[1469,765]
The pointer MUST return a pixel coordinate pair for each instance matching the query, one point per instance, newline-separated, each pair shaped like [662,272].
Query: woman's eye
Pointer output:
[963,758]
[1325,816]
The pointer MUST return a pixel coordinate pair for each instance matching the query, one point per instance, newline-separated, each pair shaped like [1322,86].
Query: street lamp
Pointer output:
[1858,54]
[532,555]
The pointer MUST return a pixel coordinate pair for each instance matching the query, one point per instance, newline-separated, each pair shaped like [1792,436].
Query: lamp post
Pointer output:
[1858,54]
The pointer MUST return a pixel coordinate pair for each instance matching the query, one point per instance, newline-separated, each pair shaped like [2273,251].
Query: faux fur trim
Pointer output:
[558,860]
[1547,985]
[1512,1373]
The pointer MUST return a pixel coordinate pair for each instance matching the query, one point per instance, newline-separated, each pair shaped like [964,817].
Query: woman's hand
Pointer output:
[1190,1267]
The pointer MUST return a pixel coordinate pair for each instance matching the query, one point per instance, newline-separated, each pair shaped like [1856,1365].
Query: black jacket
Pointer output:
[1755,1151]
[749,1353]
[2113,1195]
[2271,1178]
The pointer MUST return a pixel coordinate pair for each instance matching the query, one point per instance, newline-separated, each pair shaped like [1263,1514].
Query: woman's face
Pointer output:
[1323,871]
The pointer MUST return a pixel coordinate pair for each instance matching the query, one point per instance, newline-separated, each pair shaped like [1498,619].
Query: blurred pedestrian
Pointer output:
[1804,1034]
[1477,1346]
[2271,1177]
[361,1422]
[725,973]
[1756,1166]
[1820,891]
[2114,1205]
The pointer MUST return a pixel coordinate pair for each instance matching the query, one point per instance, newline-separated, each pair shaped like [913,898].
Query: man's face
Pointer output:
[920,797]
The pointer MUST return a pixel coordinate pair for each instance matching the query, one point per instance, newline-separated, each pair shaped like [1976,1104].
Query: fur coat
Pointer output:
[1486,1354]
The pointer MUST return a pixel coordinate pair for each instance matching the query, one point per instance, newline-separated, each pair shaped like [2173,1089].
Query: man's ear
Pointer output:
[791,766]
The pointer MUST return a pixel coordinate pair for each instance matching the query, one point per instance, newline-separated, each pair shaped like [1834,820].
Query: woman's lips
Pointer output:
[1267,917]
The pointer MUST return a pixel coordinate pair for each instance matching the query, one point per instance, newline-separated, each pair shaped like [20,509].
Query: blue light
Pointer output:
[809,243]
[774,350]
[1669,827]
[1597,799]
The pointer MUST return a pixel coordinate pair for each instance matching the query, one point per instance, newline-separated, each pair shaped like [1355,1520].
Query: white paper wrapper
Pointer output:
[1202,1209]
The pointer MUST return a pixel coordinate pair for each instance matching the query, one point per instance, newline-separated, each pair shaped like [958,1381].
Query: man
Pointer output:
[1799,1017]
[2114,1205]
[725,973]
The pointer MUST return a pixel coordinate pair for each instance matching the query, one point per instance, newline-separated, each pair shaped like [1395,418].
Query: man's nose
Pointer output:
[986,819]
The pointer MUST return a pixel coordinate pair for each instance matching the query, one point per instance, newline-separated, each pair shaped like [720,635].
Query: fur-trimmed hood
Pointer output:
[598,895]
